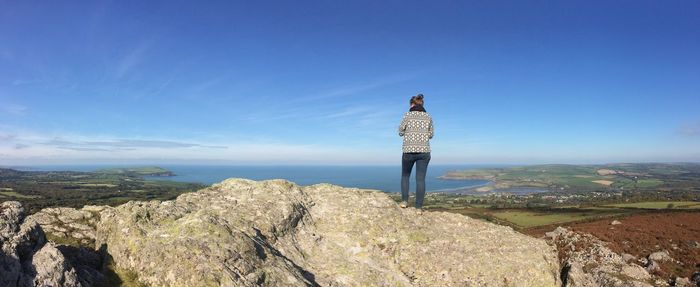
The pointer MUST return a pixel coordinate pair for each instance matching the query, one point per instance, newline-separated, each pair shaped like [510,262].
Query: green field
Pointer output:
[98,184]
[17,195]
[37,190]
[552,176]
[137,171]
[513,211]
[649,182]
[608,177]
[657,205]
[527,219]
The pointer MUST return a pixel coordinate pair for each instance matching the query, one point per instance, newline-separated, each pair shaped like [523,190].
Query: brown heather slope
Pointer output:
[643,234]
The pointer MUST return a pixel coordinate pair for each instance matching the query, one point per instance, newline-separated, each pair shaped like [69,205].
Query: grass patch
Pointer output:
[658,205]
[527,219]
[118,277]
[64,240]
[17,195]
[98,185]
[649,182]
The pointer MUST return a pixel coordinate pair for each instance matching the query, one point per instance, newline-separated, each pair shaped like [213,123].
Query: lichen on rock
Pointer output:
[276,233]
[69,225]
[27,259]
[587,262]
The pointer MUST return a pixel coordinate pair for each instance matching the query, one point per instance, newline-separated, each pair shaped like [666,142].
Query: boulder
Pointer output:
[652,267]
[588,262]
[660,256]
[26,258]
[276,233]
[693,244]
[682,282]
[628,257]
[51,268]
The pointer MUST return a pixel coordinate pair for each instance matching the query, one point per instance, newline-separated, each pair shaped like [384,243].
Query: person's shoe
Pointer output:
[420,211]
[403,204]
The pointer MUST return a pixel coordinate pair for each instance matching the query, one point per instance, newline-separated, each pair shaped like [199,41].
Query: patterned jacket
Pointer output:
[416,129]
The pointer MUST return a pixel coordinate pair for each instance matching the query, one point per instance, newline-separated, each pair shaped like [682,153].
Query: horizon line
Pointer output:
[334,164]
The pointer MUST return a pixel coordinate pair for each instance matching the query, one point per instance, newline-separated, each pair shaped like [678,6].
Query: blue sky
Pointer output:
[326,82]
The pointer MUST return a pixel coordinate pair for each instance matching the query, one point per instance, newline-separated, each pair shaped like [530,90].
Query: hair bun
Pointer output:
[419,96]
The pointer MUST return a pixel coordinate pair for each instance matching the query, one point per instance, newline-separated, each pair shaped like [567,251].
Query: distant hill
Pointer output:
[40,189]
[137,171]
[622,176]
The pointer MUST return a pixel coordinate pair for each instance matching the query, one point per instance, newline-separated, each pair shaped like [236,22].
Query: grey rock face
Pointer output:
[52,269]
[682,282]
[69,224]
[651,266]
[275,233]
[589,263]
[26,259]
[628,257]
[660,256]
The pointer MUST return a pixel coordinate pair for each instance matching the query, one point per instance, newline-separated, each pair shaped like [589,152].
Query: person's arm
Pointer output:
[402,127]
[431,129]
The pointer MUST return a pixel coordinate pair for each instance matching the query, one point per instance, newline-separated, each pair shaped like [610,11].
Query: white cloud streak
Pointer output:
[113,144]
[132,59]
[6,137]
[690,129]
[356,89]
[13,109]
[33,148]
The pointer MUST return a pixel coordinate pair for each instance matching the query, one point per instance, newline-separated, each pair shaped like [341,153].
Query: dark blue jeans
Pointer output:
[421,160]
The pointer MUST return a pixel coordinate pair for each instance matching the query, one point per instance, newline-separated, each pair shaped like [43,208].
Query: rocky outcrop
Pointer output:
[275,233]
[587,262]
[69,225]
[269,233]
[27,259]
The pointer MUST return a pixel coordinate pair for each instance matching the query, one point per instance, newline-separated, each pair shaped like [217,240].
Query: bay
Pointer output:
[385,178]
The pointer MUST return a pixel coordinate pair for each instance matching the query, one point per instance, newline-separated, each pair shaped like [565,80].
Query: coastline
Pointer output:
[384,178]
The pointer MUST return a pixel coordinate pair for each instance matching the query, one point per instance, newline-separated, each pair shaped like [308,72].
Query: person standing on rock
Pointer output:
[416,128]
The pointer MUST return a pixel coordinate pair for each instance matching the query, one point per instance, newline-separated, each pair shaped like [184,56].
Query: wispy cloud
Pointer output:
[13,109]
[357,88]
[33,149]
[21,82]
[204,86]
[133,58]
[200,89]
[84,148]
[123,144]
[343,113]
[21,146]
[690,129]
[328,108]
[361,118]
[6,54]
[7,137]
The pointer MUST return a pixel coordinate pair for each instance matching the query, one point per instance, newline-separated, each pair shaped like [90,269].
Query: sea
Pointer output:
[385,178]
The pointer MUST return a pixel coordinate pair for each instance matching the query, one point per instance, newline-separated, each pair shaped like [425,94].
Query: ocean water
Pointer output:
[385,178]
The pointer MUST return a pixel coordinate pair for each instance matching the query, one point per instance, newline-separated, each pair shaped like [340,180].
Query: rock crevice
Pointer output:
[28,259]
